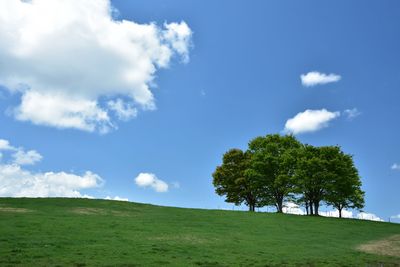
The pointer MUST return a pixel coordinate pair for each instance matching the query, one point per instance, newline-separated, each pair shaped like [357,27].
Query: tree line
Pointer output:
[276,168]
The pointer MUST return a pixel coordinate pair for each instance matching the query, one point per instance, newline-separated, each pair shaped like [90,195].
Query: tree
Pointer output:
[273,164]
[344,191]
[327,174]
[231,180]
[312,176]
[276,168]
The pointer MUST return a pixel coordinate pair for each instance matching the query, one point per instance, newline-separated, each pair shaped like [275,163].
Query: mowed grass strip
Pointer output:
[82,232]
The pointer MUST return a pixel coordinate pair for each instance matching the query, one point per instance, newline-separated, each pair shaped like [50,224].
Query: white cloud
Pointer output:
[314,78]
[124,111]
[5,145]
[310,121]
[17,182]
[116,198]
[395,216]
[335,213]
[179,36]
[395,167]
[368,216]
[352,113]
[62,112]
[67,59]
[20,156]
[26,158]
[151,180]
[292,208]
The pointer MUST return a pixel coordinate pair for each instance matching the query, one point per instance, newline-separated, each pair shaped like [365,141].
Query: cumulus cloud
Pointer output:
[310,121]
[315,78]
[151,180]
[26,158]
[395,216]
[117,198]
[71,61]
[352,113]
[18,182]
[5,145]
[395,167]
[62,111]
[20,156]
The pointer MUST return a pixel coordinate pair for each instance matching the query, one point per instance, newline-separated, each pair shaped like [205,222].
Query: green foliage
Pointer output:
[82,232]
[313,177]
[344,189]
[279,168]
[230,179]
[327,174]
[273,163]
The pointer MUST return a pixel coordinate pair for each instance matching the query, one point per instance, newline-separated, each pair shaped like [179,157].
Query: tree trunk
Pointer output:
[252,207]
[306,207]
[311,208]
[340,212]
[279,206]
[316,207]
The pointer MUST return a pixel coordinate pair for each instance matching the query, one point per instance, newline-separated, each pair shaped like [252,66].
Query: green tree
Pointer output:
[344,191]
[273,165]
[231,180]
[312,176]
[327,174]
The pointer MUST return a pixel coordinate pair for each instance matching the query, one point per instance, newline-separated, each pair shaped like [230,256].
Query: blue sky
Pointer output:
[219,73]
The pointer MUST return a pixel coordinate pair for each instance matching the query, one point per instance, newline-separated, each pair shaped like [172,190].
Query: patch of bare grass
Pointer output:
[89,211]
[184,238]
[15,210]
[97,211]
[388,246]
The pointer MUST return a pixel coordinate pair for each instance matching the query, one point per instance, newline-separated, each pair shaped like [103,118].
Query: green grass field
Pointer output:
[81,232]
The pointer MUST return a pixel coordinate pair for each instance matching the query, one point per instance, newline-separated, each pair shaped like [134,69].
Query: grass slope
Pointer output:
[81,232]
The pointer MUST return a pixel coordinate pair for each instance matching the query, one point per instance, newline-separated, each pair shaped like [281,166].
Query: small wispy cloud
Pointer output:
[5,145]
[30,157]
[395,166]
[315,78]
[395,216]
[20,156]
[351,113]
[176,185]
[125,111]
[310,121]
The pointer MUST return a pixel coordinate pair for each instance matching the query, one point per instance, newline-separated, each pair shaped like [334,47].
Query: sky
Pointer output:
[139,100]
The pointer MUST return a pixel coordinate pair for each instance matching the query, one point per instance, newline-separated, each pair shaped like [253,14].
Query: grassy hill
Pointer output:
[82,232]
